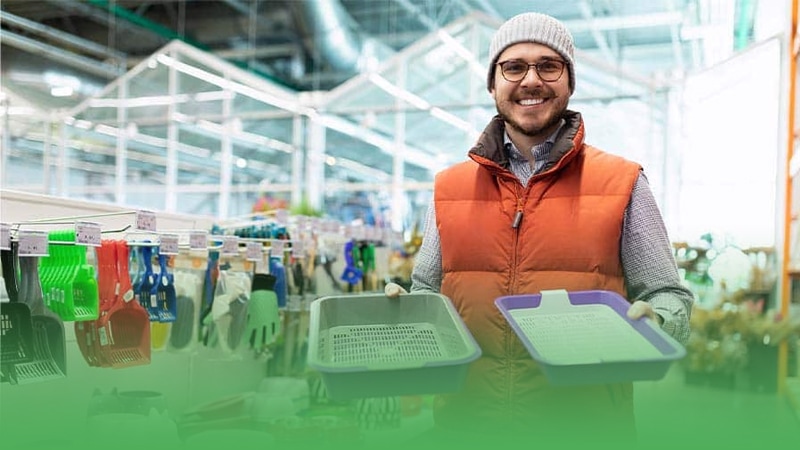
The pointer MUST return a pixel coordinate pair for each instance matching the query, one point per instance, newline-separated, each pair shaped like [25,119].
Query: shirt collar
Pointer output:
[514,152]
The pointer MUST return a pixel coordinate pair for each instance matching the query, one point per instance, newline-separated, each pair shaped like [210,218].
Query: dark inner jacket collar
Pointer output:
[491,146]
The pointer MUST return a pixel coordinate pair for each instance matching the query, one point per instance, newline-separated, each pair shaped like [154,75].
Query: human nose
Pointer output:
[531,76]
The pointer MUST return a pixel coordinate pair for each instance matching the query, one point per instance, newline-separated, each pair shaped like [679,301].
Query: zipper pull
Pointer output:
[518,215]
[517,219]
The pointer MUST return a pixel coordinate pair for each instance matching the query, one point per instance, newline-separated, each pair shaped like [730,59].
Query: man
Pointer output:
[535,208]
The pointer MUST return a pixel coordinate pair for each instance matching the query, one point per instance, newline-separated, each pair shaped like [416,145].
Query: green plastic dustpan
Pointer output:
[16,328]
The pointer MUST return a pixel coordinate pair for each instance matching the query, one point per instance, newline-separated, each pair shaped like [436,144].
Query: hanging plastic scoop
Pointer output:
[238,309]
[86,332]
[49,340]
[207,332]
[147,289]
[16,328]
[352,275]
[263,315]
[125,330]
[188,293]
[71,290]
[167,298]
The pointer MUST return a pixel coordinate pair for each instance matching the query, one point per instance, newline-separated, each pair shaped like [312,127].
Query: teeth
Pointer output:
[530,101]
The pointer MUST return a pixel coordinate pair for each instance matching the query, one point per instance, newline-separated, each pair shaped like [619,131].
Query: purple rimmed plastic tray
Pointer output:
[585,337]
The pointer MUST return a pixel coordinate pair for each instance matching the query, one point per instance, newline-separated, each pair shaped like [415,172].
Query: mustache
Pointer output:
[535,93]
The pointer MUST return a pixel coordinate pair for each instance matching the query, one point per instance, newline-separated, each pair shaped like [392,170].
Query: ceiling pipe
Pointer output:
[97,15]
[333,34]
[62,37]
[59,54]
[169,34]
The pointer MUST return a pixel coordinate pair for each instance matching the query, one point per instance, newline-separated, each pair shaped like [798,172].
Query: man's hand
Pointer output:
[393,290]
[643,309]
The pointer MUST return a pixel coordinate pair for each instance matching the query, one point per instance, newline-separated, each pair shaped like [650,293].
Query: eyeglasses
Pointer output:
[515,70]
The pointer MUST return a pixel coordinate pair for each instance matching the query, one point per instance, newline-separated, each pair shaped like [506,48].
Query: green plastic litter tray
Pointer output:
[585,337]
[370,345]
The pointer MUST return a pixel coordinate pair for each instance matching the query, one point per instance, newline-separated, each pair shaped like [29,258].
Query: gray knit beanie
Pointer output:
[533,27]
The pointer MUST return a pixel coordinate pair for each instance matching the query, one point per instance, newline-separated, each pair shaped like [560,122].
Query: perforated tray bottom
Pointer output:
[595,334]
[399,343]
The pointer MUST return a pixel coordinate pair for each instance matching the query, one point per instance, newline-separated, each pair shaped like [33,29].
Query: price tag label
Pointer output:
[5,236]
[88,234]
[230,246]
[276,248]
[198,240]
[314,225]
[168,244]
[302,223]
[254,251]
[145,221]
[358,233]
[33,243]
[282,217]
[298,248]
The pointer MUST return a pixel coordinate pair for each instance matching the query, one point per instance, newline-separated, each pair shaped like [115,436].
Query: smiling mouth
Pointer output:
[530,101]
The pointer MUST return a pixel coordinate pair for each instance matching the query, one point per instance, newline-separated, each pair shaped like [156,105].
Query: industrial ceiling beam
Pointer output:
[597,35]
[65,38]
[625,22]
[59,54]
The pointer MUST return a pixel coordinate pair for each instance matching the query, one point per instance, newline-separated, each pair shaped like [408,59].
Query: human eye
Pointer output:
[514,67]
[549,66]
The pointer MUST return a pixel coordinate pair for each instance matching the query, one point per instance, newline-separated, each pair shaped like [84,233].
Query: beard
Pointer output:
[504,110]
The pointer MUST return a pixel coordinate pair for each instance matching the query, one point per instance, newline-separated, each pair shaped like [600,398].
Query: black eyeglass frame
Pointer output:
[535,67]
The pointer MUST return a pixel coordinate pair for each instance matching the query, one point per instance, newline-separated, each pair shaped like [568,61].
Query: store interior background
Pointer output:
[208,112]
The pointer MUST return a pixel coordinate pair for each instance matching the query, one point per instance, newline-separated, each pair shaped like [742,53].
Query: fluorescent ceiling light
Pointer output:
[452,119]
[239,88]
[462,51]
[61,91]
[106,129]
[398,92]
[138,102]
[83,124]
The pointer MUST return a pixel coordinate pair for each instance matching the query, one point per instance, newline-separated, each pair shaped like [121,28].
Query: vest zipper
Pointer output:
[507,334]
[518,215]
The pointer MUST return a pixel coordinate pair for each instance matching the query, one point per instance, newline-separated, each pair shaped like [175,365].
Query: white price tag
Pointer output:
[168,244]
[88,233]
[282,217]
[302,223]
[358,233]
[33,243]
[298,248]
[145,221]
[5,236]
[315,225]
[276,248]
[198,240]
[230,246]
[254,252]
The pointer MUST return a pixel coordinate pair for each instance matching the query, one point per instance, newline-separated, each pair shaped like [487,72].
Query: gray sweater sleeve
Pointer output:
[427,272]
[651,273]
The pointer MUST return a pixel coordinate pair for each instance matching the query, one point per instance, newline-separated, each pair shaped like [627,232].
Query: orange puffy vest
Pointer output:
[568,237]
